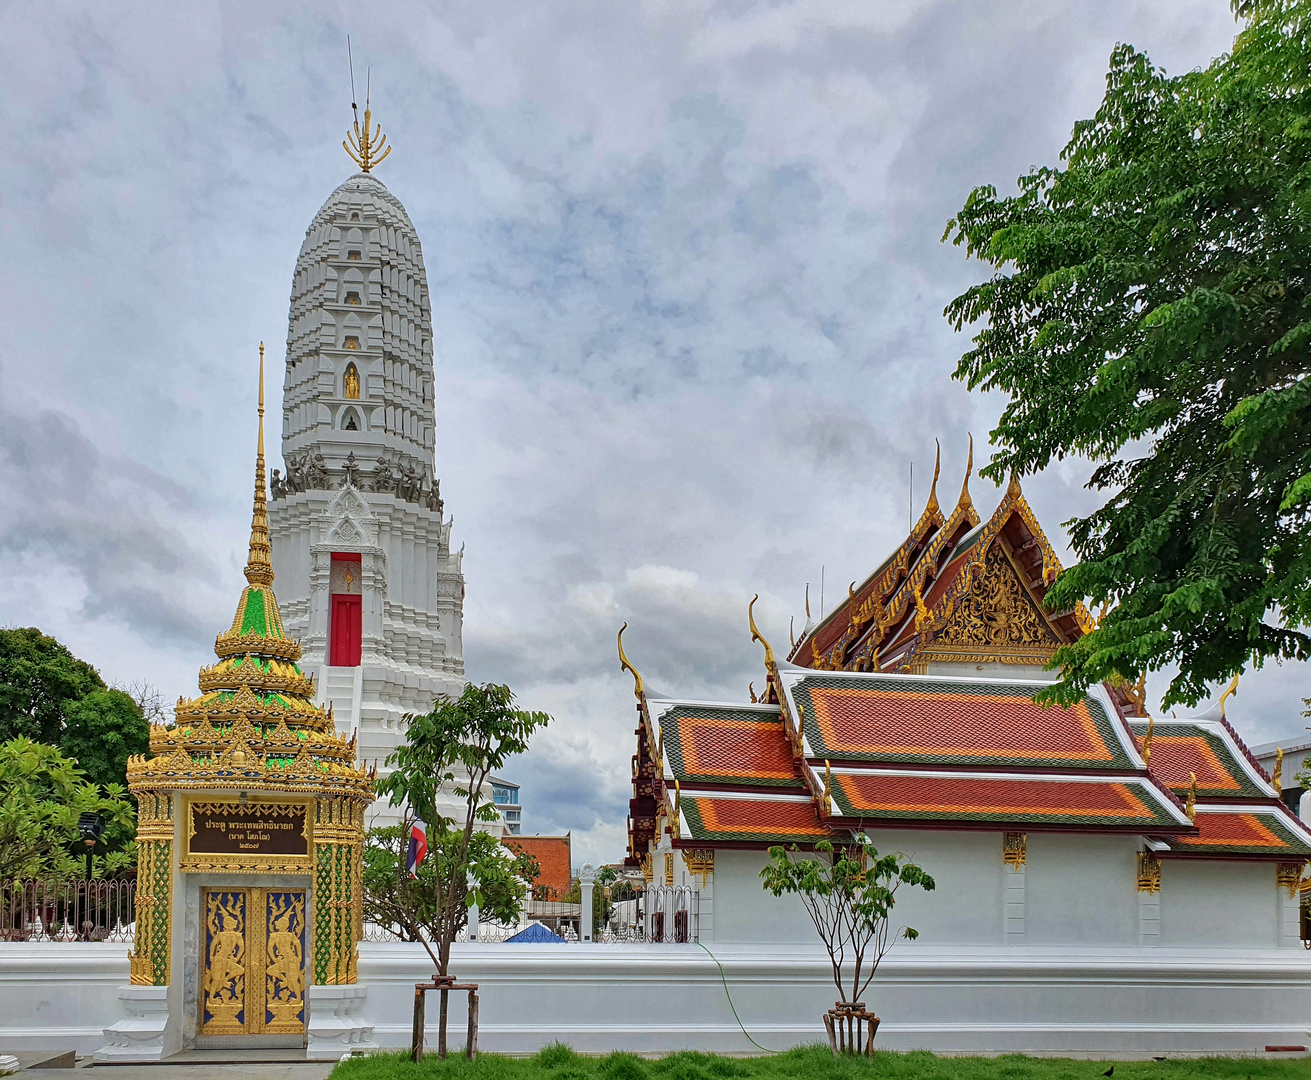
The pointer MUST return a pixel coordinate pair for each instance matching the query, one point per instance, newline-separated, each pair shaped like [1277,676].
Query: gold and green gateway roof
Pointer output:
[255,720]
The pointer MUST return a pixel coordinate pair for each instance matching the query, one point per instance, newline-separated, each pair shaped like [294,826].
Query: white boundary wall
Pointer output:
[650,998]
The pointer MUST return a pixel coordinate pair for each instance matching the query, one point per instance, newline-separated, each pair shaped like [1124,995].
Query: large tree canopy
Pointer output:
[38,678]
[1151,311]
[103,730]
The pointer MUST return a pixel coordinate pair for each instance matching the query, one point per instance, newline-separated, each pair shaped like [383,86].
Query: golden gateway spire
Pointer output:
[259,563]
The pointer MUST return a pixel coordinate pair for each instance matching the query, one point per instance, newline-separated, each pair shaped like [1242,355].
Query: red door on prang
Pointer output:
[345,650]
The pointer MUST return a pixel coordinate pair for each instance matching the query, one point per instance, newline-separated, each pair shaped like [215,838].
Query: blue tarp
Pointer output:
[536,933]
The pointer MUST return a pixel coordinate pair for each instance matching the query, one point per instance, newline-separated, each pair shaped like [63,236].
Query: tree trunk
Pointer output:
[441,1026]
[416,1034]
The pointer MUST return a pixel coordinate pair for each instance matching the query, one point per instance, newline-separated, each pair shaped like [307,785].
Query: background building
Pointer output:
[506,797]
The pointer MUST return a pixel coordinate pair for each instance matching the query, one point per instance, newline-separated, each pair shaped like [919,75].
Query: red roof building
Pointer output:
[554,855]
[909,709]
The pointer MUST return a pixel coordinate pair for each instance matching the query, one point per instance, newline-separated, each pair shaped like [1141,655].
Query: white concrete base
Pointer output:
[1089,1001]
[141,1036]
[336,1026]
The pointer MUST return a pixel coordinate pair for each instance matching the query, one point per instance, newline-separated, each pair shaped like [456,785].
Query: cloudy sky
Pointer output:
[687,287]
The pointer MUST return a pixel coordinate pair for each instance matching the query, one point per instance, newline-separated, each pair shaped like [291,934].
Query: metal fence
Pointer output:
[67,910]
[660,913]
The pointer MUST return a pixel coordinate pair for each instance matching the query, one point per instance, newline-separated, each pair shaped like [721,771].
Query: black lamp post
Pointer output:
[91,829]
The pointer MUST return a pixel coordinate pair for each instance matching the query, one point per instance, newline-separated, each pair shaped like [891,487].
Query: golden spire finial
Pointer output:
[932,504]
[259,563]
[756,635]
[624,665]
[1013,491]
[1230,692]
[364,146]
[965,499]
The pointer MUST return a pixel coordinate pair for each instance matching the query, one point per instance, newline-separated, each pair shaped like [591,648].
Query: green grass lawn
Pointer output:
[561,1063]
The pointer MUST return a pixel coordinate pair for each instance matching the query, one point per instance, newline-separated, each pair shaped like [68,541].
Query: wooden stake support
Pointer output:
[444,983]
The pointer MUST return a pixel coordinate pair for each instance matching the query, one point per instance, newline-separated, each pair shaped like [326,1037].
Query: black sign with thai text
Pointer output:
[248,829]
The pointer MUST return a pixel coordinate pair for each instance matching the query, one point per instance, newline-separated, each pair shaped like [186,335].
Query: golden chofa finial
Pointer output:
[624,665]
[965,499]
[932,505]
[259,563]
[756,635]
[1230,692]
[1277,774]
[367,147]
[1147,741]
[1190,807]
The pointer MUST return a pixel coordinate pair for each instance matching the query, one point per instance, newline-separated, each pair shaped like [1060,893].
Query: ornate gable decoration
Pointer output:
[995,619]
[349,520]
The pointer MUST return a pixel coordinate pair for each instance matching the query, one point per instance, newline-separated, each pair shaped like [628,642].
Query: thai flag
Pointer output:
[418,847]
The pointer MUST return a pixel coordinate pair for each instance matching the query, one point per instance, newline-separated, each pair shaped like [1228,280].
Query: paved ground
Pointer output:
[304,1070]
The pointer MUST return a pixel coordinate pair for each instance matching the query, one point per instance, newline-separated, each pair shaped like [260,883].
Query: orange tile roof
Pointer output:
[1182,748]
[1059,801]
[761,820]
[713,744]
[553,854]
[922,720]
[1263,831]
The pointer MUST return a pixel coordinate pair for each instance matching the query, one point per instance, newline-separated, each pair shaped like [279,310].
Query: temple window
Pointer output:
[355,216]
[350,382]
[353,255]
[353,298]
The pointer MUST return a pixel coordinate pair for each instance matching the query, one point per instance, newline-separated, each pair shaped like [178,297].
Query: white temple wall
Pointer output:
[1212,903]
[1100,1002]
[966,903]
[745,912]
[1081,890]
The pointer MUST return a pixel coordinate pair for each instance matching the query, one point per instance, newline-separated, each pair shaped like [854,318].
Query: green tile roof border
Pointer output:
[1229,752]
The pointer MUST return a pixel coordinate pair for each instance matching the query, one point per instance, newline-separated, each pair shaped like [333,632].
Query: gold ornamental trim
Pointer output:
[1014,847]
[1149,873]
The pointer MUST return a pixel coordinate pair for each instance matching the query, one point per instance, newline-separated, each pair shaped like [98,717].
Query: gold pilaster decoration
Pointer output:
[1013,848]
[149,959]
[1190,807]
[700,861]
[669,867]
[1288,875]
[676,824]
[648,868]
[1149,873]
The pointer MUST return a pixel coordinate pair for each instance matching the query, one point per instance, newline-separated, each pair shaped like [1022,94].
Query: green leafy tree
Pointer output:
[38,678]
[42,794]
[414,906]
[1151,310]
[102,730]
[849,893]
[459,743]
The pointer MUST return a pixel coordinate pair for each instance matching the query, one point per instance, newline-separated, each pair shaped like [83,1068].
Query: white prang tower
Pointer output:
[365,571]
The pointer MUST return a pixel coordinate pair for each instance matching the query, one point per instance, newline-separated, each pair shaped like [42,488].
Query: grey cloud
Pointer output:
[687,286]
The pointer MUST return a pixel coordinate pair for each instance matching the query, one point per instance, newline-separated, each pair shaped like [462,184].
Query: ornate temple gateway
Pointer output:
[1055,834]
[370,585]
[250,837]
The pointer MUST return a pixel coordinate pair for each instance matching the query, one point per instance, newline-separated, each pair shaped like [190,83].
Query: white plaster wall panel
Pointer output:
[966,903]
[1081,890]
[1207,902]
[746,912]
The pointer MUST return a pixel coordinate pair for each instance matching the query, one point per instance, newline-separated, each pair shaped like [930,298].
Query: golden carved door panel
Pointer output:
[252,979]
